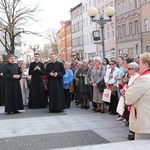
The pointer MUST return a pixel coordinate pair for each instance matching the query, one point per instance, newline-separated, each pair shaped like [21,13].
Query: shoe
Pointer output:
[8,113]
[15,112]
[120,119]
[115,113]
[111,113]
[97,110]
[102,111]
[93,109]
[130,137]
[82,107]
[124,121]
[127,124]
[87,107]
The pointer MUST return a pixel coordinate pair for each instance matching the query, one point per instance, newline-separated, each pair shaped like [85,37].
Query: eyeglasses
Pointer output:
[111,64]
[130,68]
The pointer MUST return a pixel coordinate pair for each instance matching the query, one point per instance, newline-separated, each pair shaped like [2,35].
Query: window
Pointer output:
[130,5]
[89,3]
[87,39]
[112,29]
[123,30]
[86,7]
[145,25]
[148,49]
[118,9]
[108,33]
[130,28]
[83,9]
[136,4]
[86,21]
[91,38]
[119,31]
[136,26]
[123,6]
[84,40]
[94,3]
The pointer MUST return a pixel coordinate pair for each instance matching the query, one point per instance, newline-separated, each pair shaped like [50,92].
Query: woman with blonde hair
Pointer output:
[138,97]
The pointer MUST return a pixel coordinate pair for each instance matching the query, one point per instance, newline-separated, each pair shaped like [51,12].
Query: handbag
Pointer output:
[106,95]
[101,85]
[121,106]
[71,88]
[113,89]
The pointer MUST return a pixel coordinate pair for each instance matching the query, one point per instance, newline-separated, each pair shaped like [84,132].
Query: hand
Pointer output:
[107,85]
[94,85]
[55,74]
[52,73]
[1,74]
[91,83]
[83,75]
[36,68]
[115,77]
[80,75]
[16,76]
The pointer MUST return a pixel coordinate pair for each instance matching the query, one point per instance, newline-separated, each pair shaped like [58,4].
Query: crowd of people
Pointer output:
[49,84]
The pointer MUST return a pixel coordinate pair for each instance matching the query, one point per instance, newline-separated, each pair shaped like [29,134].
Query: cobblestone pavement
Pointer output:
[37,129]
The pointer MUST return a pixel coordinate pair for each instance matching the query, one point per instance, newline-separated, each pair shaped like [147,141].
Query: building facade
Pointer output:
[90,49]
[145,25]
[128,27]
[64,41]
[109,29]
[77,32]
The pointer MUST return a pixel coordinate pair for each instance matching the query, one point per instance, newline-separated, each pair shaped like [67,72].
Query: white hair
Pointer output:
[134,65]
[98,58]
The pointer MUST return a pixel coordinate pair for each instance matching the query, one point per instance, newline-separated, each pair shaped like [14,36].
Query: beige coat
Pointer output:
[138,95]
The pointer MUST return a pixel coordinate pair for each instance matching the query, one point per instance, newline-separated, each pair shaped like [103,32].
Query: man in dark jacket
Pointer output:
[13,96]
[37,97]
[55,71]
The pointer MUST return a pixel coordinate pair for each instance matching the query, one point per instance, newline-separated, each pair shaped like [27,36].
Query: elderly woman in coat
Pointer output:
[97,75]
[138,97]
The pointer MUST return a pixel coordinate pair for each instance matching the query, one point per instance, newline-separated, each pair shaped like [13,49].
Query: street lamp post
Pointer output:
[92,12]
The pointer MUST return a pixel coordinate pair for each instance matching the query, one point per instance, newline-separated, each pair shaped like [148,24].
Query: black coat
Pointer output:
[2,84]
[37,97]
[13,96]
[55,85]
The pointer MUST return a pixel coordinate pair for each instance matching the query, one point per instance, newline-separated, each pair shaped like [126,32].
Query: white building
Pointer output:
[77,31]
[90,49]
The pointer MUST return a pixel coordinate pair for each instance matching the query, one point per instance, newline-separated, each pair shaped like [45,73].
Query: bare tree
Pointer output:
[13,17]
[51,35]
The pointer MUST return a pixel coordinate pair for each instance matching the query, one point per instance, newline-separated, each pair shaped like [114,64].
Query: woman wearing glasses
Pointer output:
[110,80]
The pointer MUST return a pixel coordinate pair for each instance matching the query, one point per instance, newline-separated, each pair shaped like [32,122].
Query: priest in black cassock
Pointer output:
[2,84]
[37,97]
[13,96]
[55,71]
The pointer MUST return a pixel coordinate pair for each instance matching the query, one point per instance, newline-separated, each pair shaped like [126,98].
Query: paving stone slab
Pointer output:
[52,141]
[29,113]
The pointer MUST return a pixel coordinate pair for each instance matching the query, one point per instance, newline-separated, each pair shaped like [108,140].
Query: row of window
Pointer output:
[133,28]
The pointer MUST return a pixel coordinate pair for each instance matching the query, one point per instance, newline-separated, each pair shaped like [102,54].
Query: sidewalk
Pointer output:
[37,129]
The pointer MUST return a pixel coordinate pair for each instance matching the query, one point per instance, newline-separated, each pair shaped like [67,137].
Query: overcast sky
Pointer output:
[53,11]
